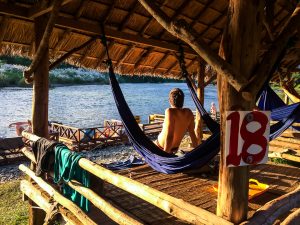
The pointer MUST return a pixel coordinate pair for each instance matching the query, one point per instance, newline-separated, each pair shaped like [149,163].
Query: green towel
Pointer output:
[66,167]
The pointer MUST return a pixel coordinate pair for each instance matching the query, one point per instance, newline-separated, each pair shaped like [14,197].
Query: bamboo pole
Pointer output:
[36,195]
[186,33]
[44,42]
[167,203]
[275,208]
[117,215]
[175,207]
[69,53]
[58,197]
[200,94]
[293,218]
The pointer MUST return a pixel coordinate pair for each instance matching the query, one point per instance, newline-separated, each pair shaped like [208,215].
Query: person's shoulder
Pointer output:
[188,110]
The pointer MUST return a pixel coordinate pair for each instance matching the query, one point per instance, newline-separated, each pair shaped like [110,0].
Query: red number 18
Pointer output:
[250,138]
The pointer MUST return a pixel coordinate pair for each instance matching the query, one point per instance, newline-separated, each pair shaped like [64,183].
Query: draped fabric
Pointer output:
[285,114]
[153,155]
[202,154]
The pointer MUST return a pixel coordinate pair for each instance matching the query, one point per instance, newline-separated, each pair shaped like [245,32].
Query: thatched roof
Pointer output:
[137,43]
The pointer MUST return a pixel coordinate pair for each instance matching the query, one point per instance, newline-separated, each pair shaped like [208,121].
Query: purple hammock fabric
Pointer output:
[167,163]
[285,114]
[159,160]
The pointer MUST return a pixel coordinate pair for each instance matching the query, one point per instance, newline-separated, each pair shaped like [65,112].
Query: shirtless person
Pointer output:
[177,122]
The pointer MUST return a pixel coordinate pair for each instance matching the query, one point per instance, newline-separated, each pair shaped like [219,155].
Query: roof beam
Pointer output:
[42,8]
[186,33]
[93,29]
[129,15]
[68,54]
[43,46]
[274,54]
[3,25]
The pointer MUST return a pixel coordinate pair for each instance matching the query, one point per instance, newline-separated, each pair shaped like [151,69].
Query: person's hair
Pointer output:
[176,98]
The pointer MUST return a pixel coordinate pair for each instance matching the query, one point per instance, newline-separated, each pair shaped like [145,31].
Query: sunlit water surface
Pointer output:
[90,105]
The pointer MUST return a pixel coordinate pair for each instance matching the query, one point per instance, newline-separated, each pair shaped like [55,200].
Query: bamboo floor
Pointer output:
[195,189]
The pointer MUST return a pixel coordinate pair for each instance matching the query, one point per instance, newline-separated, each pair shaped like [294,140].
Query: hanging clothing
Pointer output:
[66,168]
[43,150]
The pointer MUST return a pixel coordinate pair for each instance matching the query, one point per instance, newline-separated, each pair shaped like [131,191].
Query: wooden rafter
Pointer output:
[161,61]
[3,26]
[125,54]
[142,58]
[42,8]
[61,41]
[129,15]
[182,30]
[86,52]
[181,8]
[93,29]
[69,53]
[146,26]
[67,32]
[273,54]
[103,54]
[43,47]
[200,13]
[108,13]
[81,7]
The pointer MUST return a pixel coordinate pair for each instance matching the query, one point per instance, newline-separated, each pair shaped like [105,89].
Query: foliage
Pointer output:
[11,69]
[13,211]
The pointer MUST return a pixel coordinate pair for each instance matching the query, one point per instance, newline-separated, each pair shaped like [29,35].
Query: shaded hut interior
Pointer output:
[139,45]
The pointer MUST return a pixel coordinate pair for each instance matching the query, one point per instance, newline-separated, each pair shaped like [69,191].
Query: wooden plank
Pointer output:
[39,9]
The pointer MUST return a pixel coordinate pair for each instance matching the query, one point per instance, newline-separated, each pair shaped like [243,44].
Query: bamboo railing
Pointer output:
[173,206]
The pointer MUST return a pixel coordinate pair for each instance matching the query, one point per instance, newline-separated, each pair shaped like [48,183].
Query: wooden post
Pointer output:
[200,94]
[239,47]
[40,105]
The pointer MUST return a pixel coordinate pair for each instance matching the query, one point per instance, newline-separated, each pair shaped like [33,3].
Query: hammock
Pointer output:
[159,160]
[285,114]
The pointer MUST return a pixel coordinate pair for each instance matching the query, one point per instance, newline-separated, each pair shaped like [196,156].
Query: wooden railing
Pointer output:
[173,206]
[79,139]
[111,133]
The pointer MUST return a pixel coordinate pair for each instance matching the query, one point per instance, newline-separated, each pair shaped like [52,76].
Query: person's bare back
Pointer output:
[177,122]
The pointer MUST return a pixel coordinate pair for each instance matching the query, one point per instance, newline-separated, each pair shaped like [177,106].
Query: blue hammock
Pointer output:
[159,160]
[285,114]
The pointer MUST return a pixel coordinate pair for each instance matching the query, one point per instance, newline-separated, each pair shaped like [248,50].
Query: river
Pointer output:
[90,105]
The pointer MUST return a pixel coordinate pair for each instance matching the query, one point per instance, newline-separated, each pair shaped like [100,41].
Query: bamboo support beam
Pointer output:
[275,208]
[44,43]
[58,197]
[182,30]
[169,204]
[118,216]
[41,9]
[69,53]
[36,195]
[273,55]
[293,218]
[175,207]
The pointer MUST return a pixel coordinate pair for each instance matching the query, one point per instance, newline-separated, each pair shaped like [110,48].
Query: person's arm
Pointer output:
[192,131]
[169,125]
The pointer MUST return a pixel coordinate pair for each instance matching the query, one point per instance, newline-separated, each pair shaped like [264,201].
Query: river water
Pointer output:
[89,105]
